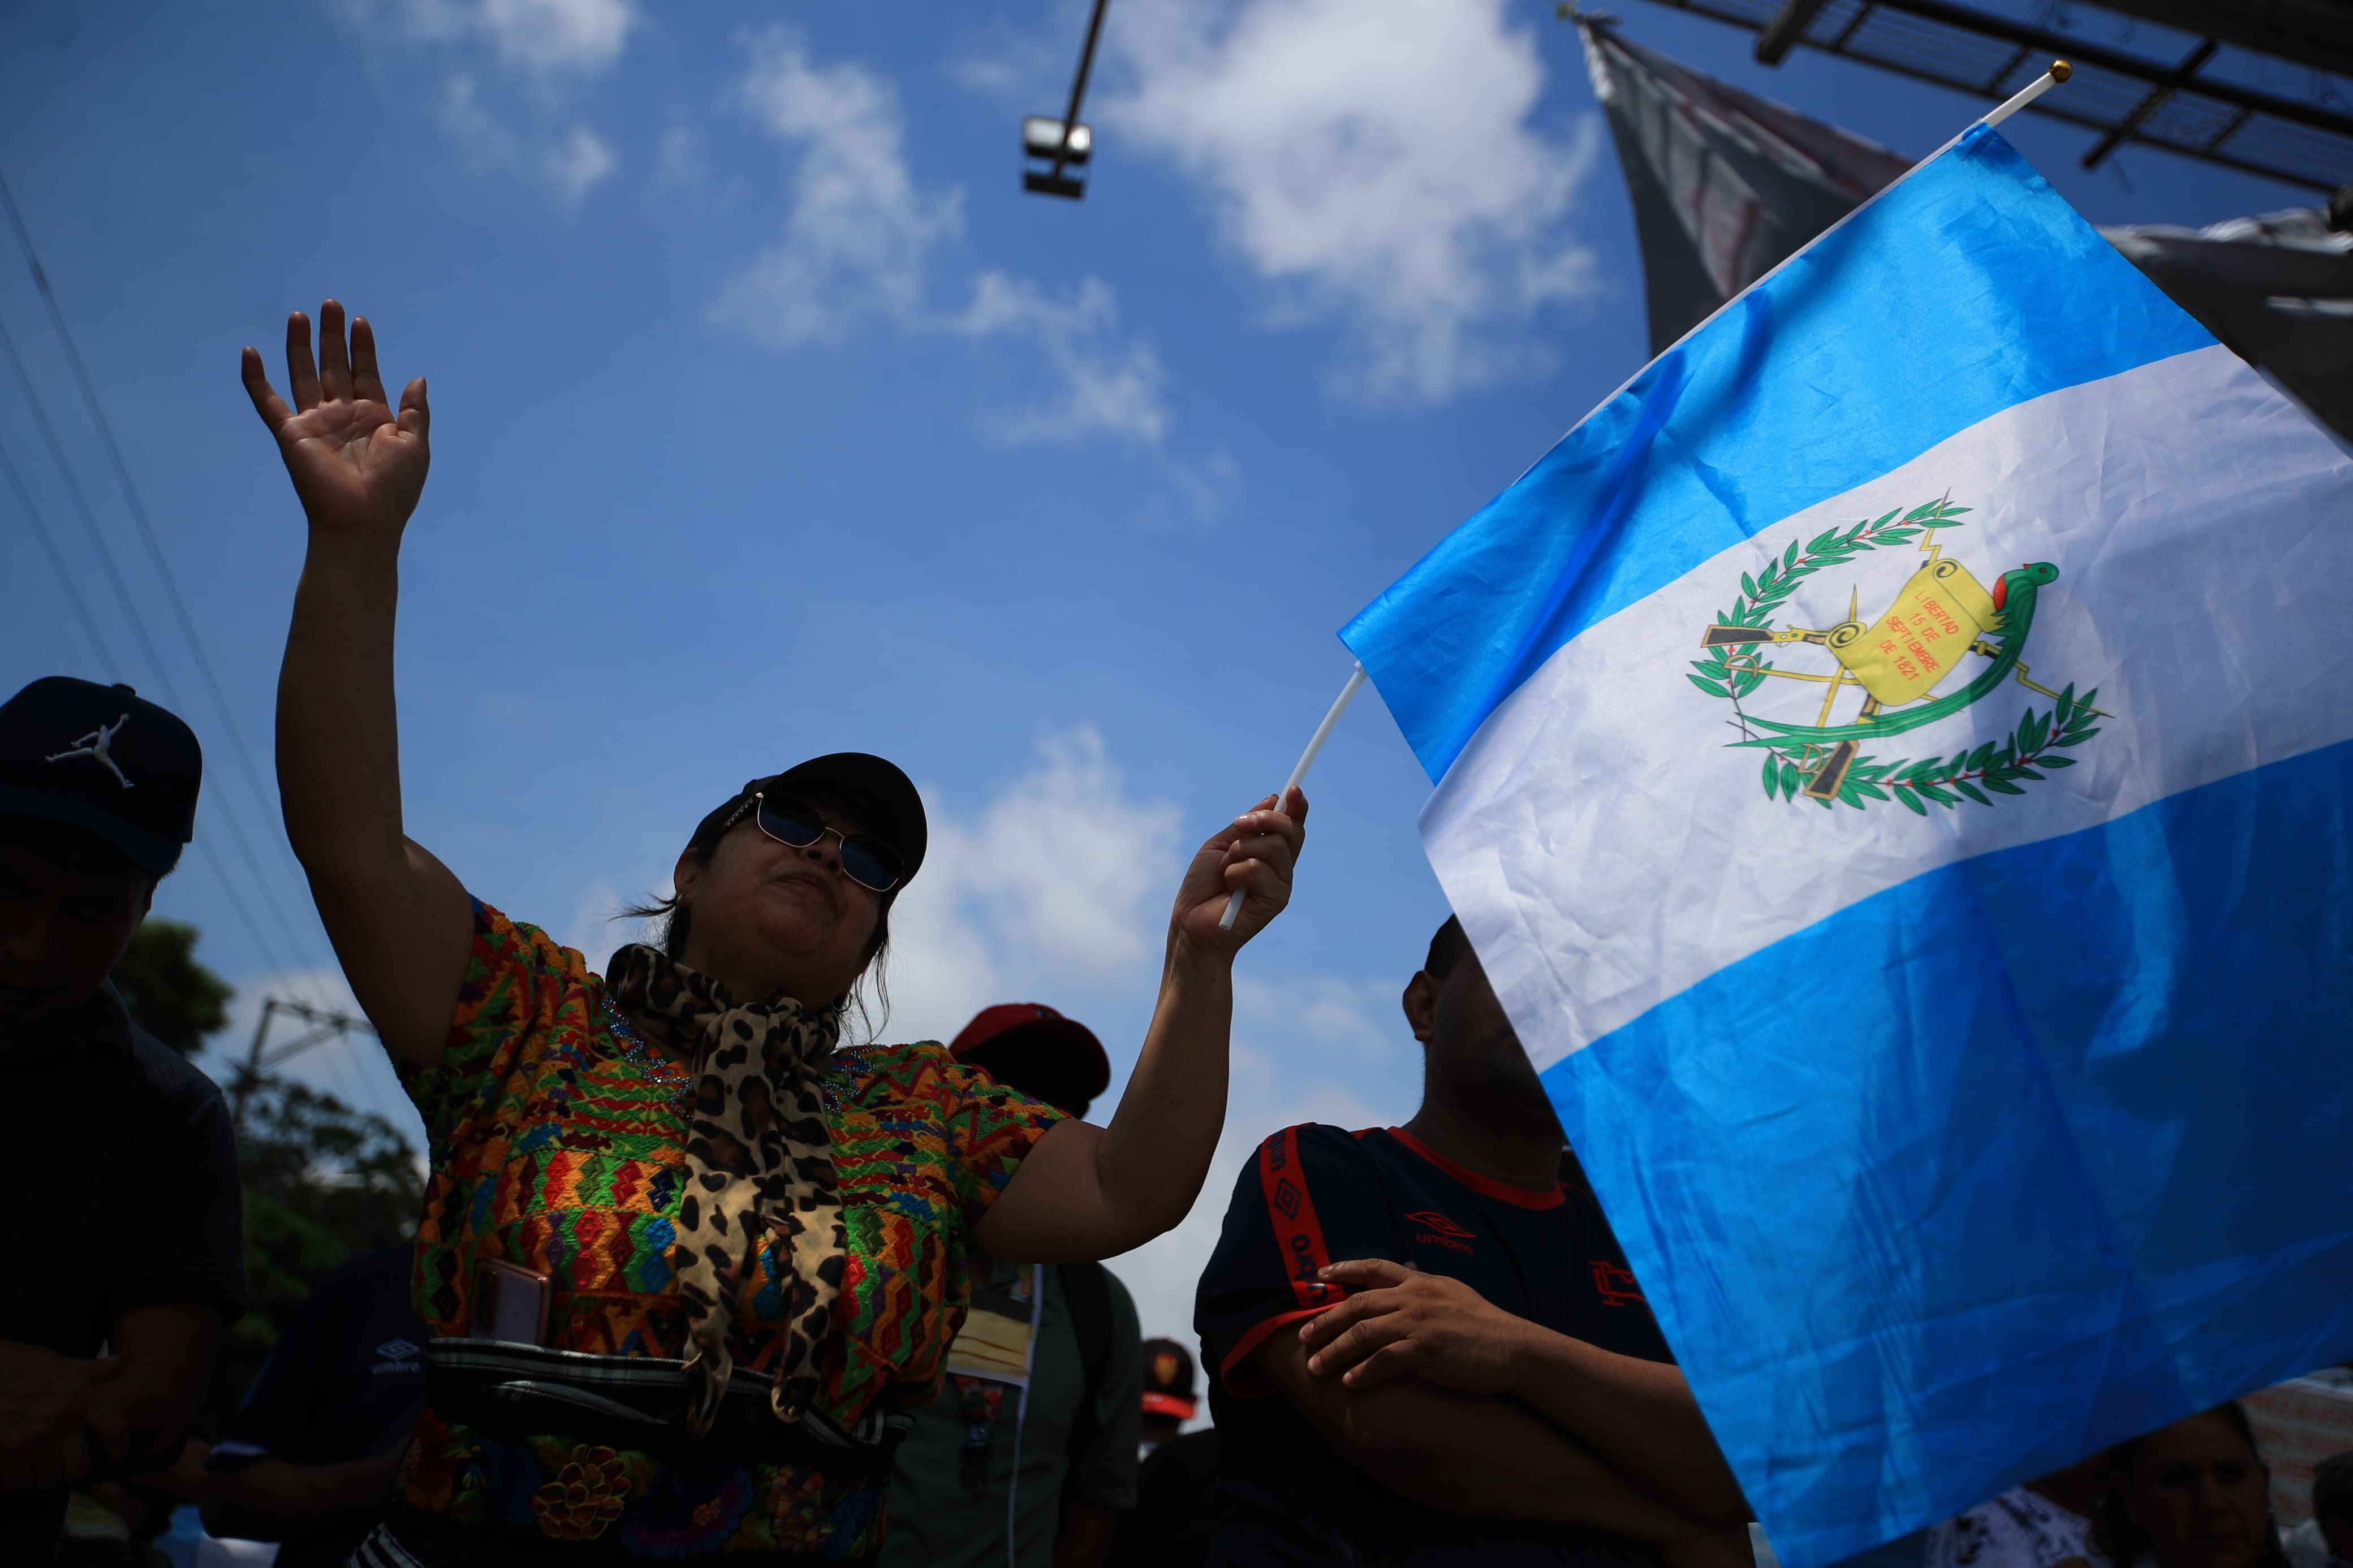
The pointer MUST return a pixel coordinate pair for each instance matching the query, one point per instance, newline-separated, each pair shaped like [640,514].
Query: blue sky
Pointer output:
[771,418]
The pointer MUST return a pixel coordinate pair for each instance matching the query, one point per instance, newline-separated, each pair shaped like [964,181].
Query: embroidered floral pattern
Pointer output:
[690,1510]
[439,1473]
[585,1496]
[794,1504]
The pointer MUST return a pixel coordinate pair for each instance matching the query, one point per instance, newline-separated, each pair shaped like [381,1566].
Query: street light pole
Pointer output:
[1074,146]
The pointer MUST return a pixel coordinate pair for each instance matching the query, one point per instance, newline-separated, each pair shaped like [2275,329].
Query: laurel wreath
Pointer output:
[2034,744]
[1732,674]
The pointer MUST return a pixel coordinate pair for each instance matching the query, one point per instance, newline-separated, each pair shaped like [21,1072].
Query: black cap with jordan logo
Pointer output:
[105,760]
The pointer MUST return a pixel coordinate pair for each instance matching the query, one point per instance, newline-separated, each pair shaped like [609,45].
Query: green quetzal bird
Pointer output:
[2013,597]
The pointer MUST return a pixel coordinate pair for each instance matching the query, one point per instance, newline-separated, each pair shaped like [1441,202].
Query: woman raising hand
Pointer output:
[688,1259]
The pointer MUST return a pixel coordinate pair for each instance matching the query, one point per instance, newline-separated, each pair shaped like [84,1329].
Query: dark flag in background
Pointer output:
[2277,290]
[1725,184]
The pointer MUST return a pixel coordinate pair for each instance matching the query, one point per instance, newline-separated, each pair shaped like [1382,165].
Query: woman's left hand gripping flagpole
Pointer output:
[1306,761]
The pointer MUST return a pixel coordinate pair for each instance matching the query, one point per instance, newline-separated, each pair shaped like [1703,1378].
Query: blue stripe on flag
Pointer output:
[1993,1163]
[1971,270]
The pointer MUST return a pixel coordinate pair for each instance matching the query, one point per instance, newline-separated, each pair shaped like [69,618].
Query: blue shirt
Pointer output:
[345,1381]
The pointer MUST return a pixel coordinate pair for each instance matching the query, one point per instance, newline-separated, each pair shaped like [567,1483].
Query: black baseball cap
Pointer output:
[1168,1379]
[1035,1023]
[883,799]
[105,760]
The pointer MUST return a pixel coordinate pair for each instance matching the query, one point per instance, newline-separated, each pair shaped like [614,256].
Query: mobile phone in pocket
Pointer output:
[509,1303]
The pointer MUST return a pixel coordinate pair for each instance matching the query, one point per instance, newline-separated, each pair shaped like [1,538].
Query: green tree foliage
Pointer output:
[170,994]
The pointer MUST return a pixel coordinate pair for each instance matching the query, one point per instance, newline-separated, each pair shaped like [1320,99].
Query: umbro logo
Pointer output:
[397,1355]
[1437,1230]
[1617,1286]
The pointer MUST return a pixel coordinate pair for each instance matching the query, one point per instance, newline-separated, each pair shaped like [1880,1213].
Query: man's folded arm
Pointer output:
[1400,1324]
[1639,1413]
[1475,1453]
[269,1499]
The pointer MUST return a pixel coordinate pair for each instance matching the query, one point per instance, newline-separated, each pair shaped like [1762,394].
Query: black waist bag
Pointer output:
[516,1392]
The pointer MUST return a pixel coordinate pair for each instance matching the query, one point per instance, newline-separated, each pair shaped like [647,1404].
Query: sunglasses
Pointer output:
[794,822]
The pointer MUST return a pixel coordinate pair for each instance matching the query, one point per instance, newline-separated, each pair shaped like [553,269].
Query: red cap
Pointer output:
[1036,1021]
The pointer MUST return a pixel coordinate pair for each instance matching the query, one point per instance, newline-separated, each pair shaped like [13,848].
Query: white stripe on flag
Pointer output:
[1607,851]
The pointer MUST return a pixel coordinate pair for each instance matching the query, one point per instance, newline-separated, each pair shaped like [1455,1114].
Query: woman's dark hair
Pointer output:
[2118,1534]
[676,920]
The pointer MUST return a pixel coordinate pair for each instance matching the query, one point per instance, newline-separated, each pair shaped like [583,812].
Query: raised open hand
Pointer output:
[357,467]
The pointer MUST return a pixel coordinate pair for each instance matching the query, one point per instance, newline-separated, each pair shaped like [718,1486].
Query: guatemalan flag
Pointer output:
[1894,760]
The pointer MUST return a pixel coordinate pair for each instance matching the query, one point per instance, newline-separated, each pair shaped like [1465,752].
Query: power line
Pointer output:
[113,672]
[261,795]
[155,659]
[138,508]
[57,563]
[81,506]
[237,907]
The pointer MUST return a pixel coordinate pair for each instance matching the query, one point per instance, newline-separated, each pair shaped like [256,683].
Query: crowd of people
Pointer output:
[694,1275]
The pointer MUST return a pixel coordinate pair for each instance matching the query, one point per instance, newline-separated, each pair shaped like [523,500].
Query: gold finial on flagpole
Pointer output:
[2059,71]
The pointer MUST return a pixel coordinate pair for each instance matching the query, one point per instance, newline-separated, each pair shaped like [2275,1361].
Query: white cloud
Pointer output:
[1057,881]
[1107,386]
[551,42]
[544,37]
[480,137]
[558,35]
[579,162]
[859,230]
[486,142]
[860,236]
[1375,159]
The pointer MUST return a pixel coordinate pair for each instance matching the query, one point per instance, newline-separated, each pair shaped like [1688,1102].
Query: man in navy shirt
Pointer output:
[1428,1347]
[310,1457]
[126,1252]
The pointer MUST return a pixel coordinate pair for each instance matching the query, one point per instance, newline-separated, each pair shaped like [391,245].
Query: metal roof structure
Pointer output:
[2191,104]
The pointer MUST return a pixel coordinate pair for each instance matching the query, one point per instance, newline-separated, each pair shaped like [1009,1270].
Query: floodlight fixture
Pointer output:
[1046,142]
[1063,146]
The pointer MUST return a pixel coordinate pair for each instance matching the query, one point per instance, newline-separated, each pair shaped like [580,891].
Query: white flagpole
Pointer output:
[2059,71]
[1306,761]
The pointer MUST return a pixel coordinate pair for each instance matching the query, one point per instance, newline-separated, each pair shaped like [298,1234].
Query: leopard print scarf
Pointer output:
[759,1158]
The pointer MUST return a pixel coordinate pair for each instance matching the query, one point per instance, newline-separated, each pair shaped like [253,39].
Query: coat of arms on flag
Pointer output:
[1893,662]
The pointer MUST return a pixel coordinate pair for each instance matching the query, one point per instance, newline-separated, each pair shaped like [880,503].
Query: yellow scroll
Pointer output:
[1900,657]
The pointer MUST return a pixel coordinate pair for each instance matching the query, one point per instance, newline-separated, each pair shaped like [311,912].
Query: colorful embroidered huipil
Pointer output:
[557,1145]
